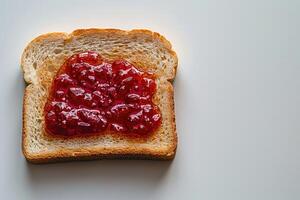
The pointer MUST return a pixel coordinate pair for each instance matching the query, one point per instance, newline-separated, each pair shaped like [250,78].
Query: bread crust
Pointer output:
[91,153]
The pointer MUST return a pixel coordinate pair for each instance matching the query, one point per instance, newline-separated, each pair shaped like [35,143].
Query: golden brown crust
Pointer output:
[42,159]
[23,124]
[98,153]
[93,152]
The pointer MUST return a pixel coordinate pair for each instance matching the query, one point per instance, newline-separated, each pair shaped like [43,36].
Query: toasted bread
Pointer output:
[42,59]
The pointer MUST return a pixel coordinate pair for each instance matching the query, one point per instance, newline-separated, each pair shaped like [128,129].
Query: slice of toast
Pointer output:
[42,59]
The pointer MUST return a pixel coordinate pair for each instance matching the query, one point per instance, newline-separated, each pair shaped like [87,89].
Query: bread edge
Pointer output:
[78,32]
[96,153]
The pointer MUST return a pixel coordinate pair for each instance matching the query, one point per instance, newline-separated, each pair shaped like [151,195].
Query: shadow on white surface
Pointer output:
[111,172]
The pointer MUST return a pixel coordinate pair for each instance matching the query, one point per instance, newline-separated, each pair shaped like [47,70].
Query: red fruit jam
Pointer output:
[90,95]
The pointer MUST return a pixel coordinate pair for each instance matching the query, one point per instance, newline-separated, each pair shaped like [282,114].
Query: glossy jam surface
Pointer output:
[90,95]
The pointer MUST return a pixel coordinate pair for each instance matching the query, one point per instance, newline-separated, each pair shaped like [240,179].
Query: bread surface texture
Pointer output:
[41,60]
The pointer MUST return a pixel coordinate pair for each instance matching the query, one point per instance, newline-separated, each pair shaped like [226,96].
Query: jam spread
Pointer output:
[90,95]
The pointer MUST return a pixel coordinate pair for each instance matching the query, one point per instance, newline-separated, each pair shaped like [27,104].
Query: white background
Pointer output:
[237,101]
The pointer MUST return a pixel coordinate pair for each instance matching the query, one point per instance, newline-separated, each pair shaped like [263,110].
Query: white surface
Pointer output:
[237,101]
